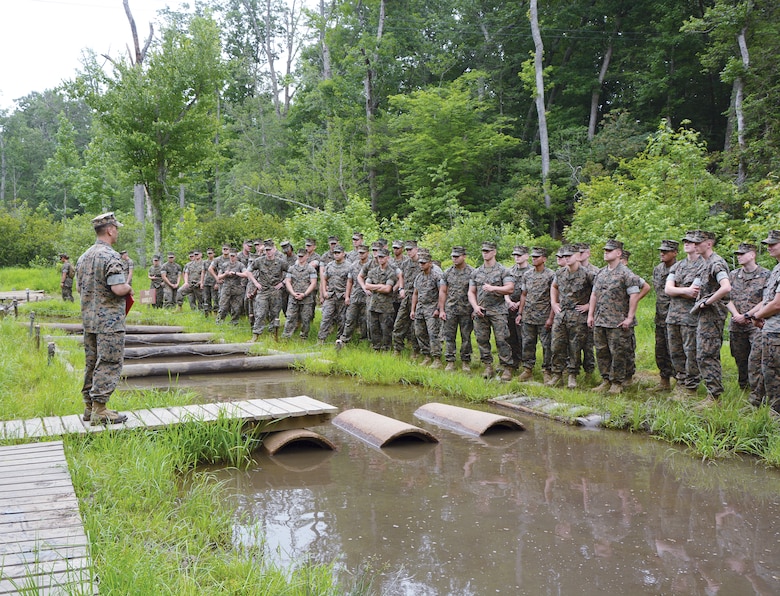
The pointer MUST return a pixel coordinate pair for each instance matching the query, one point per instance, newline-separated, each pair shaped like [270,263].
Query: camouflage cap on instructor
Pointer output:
[105,219]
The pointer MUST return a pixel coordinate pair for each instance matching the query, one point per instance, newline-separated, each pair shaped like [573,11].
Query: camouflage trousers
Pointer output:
[709,339]
[333,312]
[770,368]
[532,334]
[741,342]
[755,369]
[482,327]
[297,311]
[171,296]
[104,354]
[194,295]
[230,299]
[515,338]
[381,329]
[403,328]
[209,299]
[663,359]
[682,351]
[67,291]
[427,328]
[588,353]
[355,321]
[449,331]
[158,295]
[614,352]
[267,306]
[569,335]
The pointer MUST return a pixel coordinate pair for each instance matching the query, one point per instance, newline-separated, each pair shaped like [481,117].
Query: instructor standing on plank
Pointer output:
[103,289]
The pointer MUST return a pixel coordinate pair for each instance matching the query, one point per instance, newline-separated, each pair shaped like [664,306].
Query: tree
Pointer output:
[539,96]
[60,175]
[161,115]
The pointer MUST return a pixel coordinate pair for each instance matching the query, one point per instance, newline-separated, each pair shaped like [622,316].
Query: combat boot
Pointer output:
[603,388]
[554,380]
[465,367]
[87,412]
[436,363]
[450,367]
[425,361]
[526,375]
[506,375]
[102,415]
[615,389]
[255,337]
[663,386]
[397,353]
[178,308]
[572,382]
[488,372]
[546,376]
[415,355]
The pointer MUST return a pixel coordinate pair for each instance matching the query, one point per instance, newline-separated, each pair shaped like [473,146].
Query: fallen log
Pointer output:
[138,352]
[135,329]
[148,339]
[165,369]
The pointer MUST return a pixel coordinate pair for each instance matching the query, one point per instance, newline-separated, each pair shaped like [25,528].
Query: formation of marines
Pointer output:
[396,296]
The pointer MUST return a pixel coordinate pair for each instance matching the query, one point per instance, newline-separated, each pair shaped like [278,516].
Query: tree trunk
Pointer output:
[138,205]
[3,168]
[543,138]
[739,88]
[327,72]
[269,55]
[594,98]
[368,88]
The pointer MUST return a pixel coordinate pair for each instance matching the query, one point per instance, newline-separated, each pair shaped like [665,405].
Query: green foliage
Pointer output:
[661,193]
[355,217]
[27,237]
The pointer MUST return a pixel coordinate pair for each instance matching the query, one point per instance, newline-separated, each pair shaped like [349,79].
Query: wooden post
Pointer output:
[32,322]
[51,352]
[37,337]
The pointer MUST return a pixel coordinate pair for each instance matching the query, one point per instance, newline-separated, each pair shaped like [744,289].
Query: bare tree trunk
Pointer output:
[327,72]
[543,138]
[139,197]
[368,88]
[269,56]
[217,206]
[596,95]
[738,106]
[139,54]
[3,167]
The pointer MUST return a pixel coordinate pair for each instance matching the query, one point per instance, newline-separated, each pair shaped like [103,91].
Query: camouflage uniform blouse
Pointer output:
[208,279]
[381,302]
[660,273]
[358,295]
[747,290]
[231,281]
[269,272]
[573,288]
[715,269]
[300,277]
[496,275]
[536,285]
[337,278]
[517,273]
[457,282]
[427,287]
[683,273]
[172,270]
[193,269]
[69,272]
[772,324]
[99,268]
[613,290]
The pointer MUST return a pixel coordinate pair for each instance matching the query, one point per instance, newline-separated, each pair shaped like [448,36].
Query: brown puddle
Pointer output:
[552,510]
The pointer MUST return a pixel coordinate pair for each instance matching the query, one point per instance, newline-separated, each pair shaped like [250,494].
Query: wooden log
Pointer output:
[212,366]
[168,338]
[136,329]
[137,352]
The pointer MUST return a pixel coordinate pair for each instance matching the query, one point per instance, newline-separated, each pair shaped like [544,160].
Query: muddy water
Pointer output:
[553,510]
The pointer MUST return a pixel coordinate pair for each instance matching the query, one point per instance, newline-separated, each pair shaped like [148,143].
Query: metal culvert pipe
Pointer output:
[465,420]
[277,441]
[378,430]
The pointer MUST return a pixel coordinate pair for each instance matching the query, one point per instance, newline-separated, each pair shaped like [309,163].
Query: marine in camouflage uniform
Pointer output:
[289,254]
[425,309]
[569,296]
[103,289]
[334,288]
[767,316]
[536,314]
[682,285]
[488,285]
[611,315]
[127,265]
[209,293]
[156,282]
[747,291]
[663,360]
[456,310]
[66,280]
[301,284]
[402,327]
[315,260]
[193,282]
[380,281]
[520,254]
[357,241]
[231,294]
[267,274]
[589,350]
[355,317]
[171,273]
[712,315]
[216,266]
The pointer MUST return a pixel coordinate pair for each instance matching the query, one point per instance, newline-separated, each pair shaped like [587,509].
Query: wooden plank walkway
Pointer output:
[43,547]
[280,414]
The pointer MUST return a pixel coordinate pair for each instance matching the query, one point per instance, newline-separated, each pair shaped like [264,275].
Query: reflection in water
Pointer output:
[553,510]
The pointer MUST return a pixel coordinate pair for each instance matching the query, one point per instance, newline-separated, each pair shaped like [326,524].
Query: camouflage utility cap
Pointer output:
[488,246]
[613,244]
[457,251]
[301,252]
[398,244]
[410,244]
[106,219]
[669,245]
[566,250]
[519,250]
[539,251]
[382,252]
[745,247]
[424,257]
[694,236]
[772,238]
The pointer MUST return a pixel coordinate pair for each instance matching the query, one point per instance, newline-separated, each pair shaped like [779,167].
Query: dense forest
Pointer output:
[446,121]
